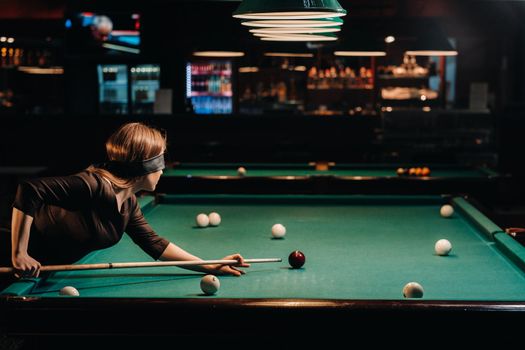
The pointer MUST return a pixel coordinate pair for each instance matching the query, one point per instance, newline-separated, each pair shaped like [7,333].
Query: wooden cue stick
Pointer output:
[140,264]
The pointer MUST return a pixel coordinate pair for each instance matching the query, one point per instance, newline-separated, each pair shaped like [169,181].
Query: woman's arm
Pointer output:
[173,252]
[70,192]
[160,248]
[24,264]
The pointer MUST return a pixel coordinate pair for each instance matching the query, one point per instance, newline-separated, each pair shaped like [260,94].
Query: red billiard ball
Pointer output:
[296,259]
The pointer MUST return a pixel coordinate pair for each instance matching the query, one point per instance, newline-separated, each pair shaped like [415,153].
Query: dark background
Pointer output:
[59,126]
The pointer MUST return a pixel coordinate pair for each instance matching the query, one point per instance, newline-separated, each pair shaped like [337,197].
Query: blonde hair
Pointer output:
[131,142]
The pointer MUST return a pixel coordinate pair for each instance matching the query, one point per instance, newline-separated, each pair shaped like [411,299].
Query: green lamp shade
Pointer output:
[298,23]
[430,40]
[431,45]
[361,42]
[298,37]
[289,9]
[298,30]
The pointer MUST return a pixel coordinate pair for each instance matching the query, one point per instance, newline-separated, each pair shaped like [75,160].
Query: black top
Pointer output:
[75,215]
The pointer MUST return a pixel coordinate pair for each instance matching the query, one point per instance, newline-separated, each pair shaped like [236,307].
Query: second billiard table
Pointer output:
[327,178]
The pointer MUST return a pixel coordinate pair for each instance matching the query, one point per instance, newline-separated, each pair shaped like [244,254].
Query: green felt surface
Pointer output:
[281,170]
[360,247]
[484,224]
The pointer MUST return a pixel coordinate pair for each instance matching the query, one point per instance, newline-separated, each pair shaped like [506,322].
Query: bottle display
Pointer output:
[209,87]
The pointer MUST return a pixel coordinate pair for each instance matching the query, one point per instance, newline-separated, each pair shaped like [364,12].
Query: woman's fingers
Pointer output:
[240,260]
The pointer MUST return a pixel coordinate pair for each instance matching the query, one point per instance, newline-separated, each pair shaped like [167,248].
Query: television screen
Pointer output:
[103,33]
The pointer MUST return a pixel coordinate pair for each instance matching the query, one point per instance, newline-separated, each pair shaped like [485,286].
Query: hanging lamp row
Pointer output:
[292,20]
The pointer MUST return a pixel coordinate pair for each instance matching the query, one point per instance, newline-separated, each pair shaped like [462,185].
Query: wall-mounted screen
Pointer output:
[103,33]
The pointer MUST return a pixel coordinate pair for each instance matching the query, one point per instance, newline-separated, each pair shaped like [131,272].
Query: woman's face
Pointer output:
[149,182]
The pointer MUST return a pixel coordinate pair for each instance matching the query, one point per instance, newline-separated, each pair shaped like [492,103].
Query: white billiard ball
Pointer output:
[241,171]
[278,231]
[413,290]
[215,219]
[202,220]
[69,290]
[210,284]
[446,211]
[443,247]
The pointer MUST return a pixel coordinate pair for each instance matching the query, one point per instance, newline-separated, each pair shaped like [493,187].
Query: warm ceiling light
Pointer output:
[218,54]
[360,53]
[288,54]
[39,70]
[432,53]
[299,23]
[248,69]
[295,30]
[390,39]
[289,9]
[297,37]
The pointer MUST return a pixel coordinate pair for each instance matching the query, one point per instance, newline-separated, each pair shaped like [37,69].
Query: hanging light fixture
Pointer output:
[358,43]
[213,45]
[295,30]
[431,45]
[292,20]
[360,53]
[289,54]
[217,53]
[298,37]
[432,41]
[289,9]
[299,23]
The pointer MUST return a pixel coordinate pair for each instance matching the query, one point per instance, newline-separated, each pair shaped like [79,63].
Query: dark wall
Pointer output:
[65,143]
[490,37]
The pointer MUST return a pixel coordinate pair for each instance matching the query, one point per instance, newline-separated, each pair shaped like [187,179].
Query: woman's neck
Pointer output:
[122,195]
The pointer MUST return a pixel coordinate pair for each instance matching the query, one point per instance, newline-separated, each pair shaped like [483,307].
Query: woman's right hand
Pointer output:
[25,266]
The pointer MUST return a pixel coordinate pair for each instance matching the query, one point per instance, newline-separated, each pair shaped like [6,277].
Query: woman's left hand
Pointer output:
[230,269]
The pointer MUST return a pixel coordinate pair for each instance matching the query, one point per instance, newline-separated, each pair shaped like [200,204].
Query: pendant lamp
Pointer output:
[289,9]
[359,43]
[431,45]
[297,37]
[298,30]
[299,23]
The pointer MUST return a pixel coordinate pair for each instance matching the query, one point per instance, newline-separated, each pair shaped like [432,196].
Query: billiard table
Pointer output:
[361,250]
[327,178]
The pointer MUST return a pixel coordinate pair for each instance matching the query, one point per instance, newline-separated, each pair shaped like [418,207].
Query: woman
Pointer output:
[58,220]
